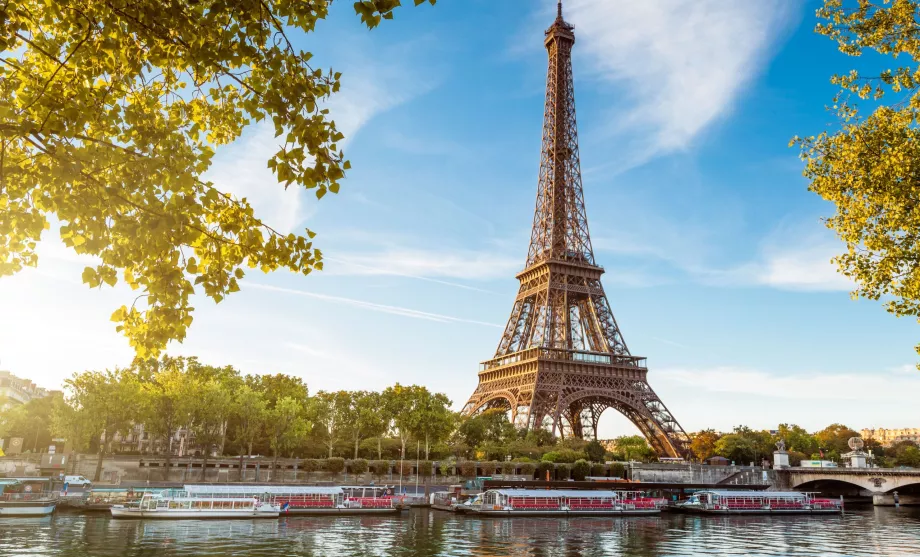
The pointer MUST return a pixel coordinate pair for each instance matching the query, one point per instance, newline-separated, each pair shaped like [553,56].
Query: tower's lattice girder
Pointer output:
[562,360]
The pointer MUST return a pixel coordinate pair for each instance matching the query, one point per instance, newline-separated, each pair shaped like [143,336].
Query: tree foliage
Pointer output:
[869,168]
[111,114]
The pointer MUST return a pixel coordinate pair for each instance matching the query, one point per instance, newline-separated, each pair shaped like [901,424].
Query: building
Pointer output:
[888,437]
[15,390]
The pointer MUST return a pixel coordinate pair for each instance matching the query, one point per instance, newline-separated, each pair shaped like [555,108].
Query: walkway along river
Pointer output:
[866,531]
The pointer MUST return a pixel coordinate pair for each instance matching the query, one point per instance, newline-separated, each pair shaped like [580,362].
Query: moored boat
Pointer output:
[310,500]
[545,502]
[758,502]
[180,504]
[20,499]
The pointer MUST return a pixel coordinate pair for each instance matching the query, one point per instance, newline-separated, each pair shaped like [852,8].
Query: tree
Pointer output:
[362,418]
[399,402]
[432,420]
[595,451]
[164,400]
[797,439]
[906,453]
[332,412]
[110,116]
[278,386]
[31,421]
[375,419]
[703,444]
[227,379]
[109,399]
[71,424]
[834,440]
[210,407]
[634,447]
[745,445]
[870,167]
[286,427]
[490,426]
[251,412]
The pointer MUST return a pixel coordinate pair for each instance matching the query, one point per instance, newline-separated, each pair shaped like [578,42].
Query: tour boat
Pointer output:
[546,502]
[19,499]
[310,500]
[175,504]
[758,502]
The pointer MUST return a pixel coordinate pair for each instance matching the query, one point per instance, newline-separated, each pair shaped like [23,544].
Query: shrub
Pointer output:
[311,465]
[357,466]
[528,468]
[380,467]
[335,464]
[508,468]
[599,470]
[563,455]
[544,467]
[563,471]
[405,466]
[580,470]
[425,468]
[467,469]
[617,470]
[491,467]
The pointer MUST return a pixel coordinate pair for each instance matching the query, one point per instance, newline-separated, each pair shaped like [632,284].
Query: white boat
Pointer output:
[26,504]
[309,500]
[552,502]
[18,498]
[714,501]
[175,504]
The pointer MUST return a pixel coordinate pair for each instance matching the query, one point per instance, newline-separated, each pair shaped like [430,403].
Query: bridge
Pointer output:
[878,483]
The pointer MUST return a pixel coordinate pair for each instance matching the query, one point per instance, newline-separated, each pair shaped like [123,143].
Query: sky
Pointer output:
[717,262]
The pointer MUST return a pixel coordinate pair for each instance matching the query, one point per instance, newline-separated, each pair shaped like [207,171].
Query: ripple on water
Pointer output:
[870,532]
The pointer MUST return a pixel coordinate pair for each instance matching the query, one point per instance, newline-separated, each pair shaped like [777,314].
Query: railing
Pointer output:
[563,354]
[27,497]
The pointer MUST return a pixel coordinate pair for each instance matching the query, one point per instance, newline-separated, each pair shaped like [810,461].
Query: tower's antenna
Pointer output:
[559,9]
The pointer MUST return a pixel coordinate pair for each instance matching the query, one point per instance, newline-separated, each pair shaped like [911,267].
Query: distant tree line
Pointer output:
[219,411]
[745,445]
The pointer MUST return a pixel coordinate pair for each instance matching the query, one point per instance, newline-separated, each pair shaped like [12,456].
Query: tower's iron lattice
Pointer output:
[562,360]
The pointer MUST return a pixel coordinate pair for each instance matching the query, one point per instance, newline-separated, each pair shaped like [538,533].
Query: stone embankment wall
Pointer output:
[698,474]
[132,469]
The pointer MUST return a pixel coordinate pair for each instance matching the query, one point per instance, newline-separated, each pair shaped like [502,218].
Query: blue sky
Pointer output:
[717,263]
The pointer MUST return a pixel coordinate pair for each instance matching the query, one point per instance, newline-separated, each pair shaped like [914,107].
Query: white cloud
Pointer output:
[870,386]
[790,258]
[372,306]
[681,63]
[419,263]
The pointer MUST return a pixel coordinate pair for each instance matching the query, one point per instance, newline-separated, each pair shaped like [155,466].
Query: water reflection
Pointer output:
[866,532]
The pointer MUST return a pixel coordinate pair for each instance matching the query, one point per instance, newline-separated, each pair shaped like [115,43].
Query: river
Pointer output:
[865,531]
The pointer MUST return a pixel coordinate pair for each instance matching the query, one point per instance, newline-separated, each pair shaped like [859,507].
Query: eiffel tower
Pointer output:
[562,360]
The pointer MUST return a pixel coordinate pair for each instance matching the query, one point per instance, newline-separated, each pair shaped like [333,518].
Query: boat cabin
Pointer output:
[760,500]
[304,497]
[548,500]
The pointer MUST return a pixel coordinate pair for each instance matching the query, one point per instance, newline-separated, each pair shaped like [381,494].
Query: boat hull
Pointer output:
[565,513]
[26,508]
[338,511]
[697,510]
[191,514]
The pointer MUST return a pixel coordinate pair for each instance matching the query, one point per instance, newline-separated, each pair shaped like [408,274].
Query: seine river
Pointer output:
[868,531]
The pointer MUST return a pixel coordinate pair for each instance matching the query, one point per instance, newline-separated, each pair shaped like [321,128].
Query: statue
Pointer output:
[781,446]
